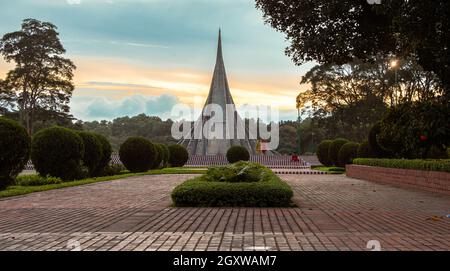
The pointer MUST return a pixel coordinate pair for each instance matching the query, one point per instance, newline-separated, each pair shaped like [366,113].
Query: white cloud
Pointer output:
[73,2]
[100,108]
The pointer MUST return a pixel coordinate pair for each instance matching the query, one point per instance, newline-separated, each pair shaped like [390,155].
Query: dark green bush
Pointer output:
[178,155]
[14,150]
[237,153]
[58,152]
[36,180]
[166,155]
[323,151]
[365,151]
[375,146]
[428,165]
[347,153]
[205,191]
[410,130]
[137,154]
[159,156]
[106,156]
[333,150]
[93,151]
[113,170]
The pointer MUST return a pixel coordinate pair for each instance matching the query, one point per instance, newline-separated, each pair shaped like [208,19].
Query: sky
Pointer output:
[144,56]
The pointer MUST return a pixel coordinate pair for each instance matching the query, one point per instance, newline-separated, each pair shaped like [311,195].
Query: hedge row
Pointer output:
[428,165]
[212,190]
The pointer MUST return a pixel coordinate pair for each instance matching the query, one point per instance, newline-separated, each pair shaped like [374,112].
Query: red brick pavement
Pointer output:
[333,213]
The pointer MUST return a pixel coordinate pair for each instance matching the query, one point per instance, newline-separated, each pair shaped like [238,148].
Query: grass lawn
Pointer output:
[22,190]
[329,170]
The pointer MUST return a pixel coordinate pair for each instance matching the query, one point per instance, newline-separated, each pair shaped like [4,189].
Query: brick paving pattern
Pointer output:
[333,213]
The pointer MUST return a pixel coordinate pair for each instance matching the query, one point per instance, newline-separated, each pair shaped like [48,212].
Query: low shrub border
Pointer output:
[271,191]
[427,165]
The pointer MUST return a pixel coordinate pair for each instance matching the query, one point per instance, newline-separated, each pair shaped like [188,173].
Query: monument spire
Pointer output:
[219,94]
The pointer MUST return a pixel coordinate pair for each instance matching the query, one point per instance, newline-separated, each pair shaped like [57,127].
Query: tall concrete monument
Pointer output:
[217,138]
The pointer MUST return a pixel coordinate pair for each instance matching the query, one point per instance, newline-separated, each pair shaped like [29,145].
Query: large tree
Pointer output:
[337,32]
[42,77]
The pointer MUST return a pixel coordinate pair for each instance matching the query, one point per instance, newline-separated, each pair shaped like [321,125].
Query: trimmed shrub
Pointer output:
[428,165]
[58,152]
[113,170]
[333,150]
[14,150]
[365,151]
[159,156]
[237,153]
[347,153]
[93,151]
[178,155]
[138,154]
[36,180]
[211,190]
[166,155]
[236,173]
[322,153]
[106,156]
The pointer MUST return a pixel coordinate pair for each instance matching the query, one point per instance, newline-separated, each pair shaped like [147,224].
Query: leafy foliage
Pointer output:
[237,153]
[93,151]
[138,154]
[14,150]
[323,153]
[365,151]
[120,129]
[334,148]
[36,180]
[42,78]
[105,159]
[428,165]
[212,189]
[58,152]
[347,153]
[341,31]
[410,130]
[178,156]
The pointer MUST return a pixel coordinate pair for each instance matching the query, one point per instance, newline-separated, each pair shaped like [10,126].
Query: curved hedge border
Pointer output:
[428,165]
[199,192]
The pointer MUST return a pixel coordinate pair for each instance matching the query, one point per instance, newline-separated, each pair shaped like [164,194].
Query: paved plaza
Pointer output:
[334,213]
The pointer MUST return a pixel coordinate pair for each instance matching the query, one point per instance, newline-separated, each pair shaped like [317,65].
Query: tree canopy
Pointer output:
[337,32]
[42,78]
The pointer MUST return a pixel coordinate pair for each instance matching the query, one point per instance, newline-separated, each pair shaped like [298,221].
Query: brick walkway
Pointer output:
[334,213]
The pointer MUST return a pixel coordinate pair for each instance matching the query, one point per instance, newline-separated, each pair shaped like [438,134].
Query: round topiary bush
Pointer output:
[106,155]
[322,153]
[14,150]
[178,155]
[166,155]
[237,153]
[93,151]
[58,152]
[159,156]
[347,153]
[365,151]
[335,147]
[138,154]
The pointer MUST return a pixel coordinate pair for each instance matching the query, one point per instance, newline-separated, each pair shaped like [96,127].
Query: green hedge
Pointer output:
[270,191]
[237,153]
[428,165]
